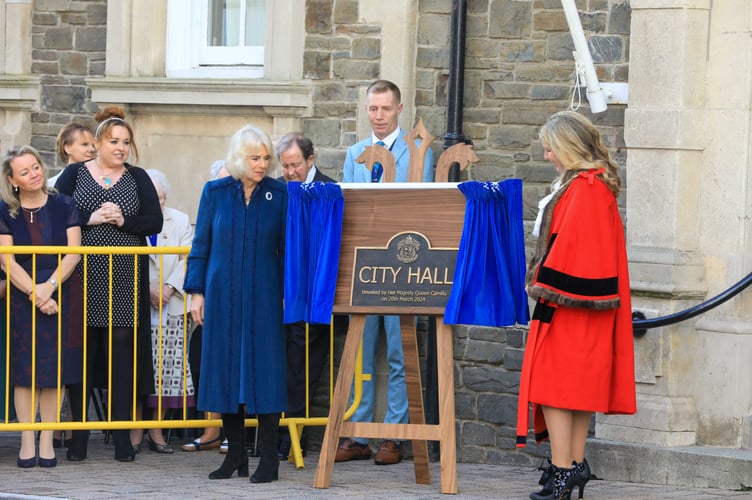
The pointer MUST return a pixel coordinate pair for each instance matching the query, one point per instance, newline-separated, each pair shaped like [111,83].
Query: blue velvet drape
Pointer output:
[489,277]
[314,234]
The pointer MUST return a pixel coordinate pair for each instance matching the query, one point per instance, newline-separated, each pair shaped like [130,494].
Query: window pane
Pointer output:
[255,22]
[233,21]
[215,23]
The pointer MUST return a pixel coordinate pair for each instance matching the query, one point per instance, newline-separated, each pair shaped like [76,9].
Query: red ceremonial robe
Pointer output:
[579,353]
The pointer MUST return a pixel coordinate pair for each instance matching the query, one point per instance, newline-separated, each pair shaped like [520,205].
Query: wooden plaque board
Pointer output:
[374,214]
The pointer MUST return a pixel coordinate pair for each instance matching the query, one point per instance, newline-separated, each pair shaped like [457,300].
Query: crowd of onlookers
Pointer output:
[100,199]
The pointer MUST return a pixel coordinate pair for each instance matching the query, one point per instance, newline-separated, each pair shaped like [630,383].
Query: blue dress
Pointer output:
[237,262]
[49,227]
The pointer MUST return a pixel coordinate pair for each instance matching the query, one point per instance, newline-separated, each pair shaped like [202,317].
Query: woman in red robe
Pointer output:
[579,356]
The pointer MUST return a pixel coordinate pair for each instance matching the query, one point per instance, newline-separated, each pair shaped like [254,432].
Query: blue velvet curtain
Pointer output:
[314,234]
[489,277]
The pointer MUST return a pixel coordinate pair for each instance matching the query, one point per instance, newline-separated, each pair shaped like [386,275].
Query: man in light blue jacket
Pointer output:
[383,105]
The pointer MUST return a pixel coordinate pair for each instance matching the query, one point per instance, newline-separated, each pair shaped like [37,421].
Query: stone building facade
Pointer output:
[684,141]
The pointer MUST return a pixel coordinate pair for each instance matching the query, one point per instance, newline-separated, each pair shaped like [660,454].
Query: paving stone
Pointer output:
[184,475]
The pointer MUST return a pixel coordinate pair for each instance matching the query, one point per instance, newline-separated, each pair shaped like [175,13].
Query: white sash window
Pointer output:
[216,38]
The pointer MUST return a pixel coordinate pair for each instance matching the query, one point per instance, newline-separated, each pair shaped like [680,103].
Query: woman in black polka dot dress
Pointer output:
[120,206]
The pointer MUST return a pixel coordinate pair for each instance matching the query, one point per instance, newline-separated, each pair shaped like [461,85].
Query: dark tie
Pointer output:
[377,170]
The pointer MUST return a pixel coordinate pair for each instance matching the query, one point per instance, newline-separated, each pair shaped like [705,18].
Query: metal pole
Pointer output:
[456,83]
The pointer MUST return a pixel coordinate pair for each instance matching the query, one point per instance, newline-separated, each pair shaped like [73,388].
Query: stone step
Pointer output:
[691,466]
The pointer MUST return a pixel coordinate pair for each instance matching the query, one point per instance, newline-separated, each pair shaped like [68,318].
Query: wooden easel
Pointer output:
[372,215]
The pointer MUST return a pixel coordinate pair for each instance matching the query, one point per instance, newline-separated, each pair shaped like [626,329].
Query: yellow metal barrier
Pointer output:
[294,424]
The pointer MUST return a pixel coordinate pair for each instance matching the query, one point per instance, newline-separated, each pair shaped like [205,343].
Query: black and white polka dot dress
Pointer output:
[89,196]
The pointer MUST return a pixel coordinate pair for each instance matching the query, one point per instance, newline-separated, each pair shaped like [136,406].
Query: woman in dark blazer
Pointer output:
[235,278]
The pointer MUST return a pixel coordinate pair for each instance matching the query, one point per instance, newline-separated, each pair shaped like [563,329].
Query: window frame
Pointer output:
[189,56]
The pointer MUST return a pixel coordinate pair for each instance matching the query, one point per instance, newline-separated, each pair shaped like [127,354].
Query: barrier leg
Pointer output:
[296,453]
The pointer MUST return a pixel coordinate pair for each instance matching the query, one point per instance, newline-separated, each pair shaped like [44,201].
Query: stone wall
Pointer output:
[342,55]
[518,70]
[68,44]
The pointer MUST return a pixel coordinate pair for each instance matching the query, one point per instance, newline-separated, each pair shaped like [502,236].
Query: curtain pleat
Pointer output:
[314,234]
[489,277]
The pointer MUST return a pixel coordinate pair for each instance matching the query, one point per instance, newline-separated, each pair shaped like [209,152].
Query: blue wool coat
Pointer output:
[236,262]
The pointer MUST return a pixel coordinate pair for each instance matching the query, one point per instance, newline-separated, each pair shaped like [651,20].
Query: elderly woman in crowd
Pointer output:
[166,275]
[43,290]
[235,277]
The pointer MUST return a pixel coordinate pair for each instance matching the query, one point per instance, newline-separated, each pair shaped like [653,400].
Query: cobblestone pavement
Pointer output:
[184,475]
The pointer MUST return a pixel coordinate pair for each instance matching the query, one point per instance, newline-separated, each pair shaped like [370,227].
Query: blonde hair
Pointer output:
[578,145]
[67,136]
[8,194]
[244,142]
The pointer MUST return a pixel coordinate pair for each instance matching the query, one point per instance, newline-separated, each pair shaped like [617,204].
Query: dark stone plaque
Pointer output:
[405,273]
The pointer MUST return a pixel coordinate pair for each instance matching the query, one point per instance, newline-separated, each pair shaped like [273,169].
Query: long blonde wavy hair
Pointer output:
[578,146]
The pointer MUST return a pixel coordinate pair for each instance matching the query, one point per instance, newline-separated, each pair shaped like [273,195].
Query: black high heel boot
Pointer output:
[236,458]
[564,480]
[547,481]
[77,446]
[583,475]
[268,467]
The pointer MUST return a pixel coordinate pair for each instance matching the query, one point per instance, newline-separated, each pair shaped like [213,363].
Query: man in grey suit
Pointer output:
[295,155]
[383,105]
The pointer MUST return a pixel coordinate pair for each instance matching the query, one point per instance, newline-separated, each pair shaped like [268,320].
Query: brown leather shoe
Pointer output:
[349,449]
[390,453]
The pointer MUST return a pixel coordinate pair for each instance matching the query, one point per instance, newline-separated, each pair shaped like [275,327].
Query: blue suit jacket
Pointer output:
[357,172]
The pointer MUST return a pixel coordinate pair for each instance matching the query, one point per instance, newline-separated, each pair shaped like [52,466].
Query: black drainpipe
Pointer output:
[456,83]
[454,135]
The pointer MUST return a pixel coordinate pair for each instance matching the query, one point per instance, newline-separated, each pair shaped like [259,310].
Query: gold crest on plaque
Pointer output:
[407,249]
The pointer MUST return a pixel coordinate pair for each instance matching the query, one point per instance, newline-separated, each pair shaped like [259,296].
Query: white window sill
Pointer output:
[202,92]
[249,72]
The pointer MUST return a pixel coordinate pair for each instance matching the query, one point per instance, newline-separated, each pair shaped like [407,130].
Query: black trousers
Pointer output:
[96,369]
[318,352]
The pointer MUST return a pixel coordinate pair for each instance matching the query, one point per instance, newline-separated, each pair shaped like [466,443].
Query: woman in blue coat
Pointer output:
[235,280]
